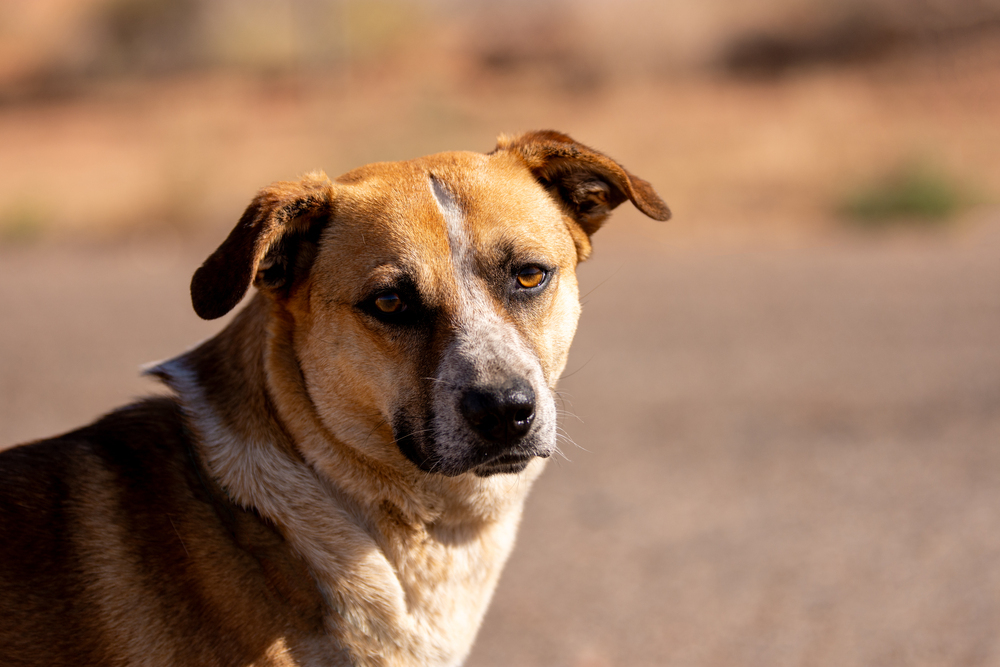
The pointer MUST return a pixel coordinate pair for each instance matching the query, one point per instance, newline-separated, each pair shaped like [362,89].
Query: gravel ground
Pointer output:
[780,456]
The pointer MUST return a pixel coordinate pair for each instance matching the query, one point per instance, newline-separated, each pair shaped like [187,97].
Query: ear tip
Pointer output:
[646,199]
[210,303]
[206,311]
[659,211]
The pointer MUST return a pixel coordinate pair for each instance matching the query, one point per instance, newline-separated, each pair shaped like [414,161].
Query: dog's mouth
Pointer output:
[506,463]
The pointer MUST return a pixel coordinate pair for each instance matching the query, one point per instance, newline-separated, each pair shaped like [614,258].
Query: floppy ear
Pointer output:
[274,237]
[589,184]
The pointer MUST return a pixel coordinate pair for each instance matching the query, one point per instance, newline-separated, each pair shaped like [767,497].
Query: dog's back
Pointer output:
[99,564]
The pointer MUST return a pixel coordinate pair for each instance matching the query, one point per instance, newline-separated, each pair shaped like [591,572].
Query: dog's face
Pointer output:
[431,303]
[442,303]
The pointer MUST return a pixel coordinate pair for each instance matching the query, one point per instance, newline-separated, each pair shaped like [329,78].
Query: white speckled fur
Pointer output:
[487,349]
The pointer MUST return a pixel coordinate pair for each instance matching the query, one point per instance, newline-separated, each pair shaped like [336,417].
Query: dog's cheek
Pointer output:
[349,381]
[407,433]
[555,334]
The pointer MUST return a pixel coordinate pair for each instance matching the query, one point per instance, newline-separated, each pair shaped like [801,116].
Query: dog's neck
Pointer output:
[435,544]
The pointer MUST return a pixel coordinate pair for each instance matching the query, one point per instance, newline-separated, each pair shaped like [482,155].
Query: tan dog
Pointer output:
[332,482]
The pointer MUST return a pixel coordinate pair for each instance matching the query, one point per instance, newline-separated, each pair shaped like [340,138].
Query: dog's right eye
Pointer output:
[392,306]
[390,303]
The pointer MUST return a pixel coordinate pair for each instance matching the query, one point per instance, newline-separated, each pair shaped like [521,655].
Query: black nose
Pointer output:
[501,414]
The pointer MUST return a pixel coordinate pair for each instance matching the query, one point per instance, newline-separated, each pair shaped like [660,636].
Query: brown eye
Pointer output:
[390,303]
[530,276]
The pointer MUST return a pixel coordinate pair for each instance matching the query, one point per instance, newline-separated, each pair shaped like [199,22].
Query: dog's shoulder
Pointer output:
[121,518]
[43,477]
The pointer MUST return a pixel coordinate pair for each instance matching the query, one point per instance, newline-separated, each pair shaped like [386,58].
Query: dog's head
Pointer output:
[430,304]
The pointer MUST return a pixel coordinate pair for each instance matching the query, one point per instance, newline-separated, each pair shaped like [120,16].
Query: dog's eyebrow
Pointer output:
[387,276]
[512,252]
[509,251]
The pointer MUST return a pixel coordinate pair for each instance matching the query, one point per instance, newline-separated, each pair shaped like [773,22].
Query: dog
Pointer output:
[337,477]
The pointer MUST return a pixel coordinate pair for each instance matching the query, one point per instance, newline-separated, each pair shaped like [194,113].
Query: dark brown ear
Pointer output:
[589,184]
[266,246]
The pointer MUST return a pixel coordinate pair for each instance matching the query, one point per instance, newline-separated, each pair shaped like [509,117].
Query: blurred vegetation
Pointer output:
[22,222]
[851,33]
[912,193]
[48,45]
[141,38]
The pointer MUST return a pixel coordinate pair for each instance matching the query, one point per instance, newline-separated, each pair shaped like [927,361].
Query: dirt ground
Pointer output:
[777,454]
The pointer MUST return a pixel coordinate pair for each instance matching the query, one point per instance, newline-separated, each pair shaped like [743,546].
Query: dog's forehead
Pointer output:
[409,216]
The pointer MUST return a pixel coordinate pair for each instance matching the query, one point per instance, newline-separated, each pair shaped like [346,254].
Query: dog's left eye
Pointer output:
[531,276]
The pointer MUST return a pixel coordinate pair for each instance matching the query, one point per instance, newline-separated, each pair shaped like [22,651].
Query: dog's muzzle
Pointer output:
[492,429]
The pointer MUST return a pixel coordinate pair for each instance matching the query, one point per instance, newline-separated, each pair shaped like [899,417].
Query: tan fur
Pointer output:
[338,428]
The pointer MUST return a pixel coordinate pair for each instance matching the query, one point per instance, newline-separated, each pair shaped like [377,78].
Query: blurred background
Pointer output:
[783,406]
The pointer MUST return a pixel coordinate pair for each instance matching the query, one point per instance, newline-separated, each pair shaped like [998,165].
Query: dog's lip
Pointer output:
[507,461]
[508,455]
[513,457]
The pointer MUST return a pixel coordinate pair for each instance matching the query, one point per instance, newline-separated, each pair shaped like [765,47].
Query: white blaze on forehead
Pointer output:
[474,302]
[458,235]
